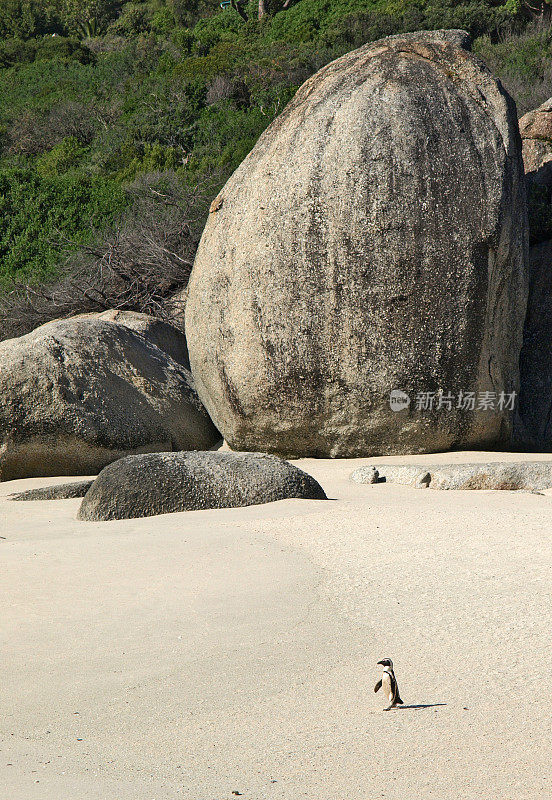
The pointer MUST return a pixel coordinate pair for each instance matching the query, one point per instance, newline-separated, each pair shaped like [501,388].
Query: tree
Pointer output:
[262,8]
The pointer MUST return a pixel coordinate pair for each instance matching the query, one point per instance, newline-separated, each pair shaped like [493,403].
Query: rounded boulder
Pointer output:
[77,394]
[375,239]
[162,483]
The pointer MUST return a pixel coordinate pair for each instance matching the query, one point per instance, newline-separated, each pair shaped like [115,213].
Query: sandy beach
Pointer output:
[215,654]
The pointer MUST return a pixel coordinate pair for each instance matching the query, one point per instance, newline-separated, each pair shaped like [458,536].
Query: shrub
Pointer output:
[134,19]
[16,51]
[36,210]
[163,21]
[153,157]
[62,158]
[354,30]
[88,17]
[137,265]
[24,19]
[179,87]
[226,88]
[33,133]
[226,27]
[187,12]
[61,47]
[523,62]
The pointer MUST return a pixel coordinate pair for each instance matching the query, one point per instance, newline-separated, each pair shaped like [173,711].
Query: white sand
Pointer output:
[193,655]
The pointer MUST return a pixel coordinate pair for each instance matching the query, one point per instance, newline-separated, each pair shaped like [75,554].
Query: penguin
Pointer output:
[389,683]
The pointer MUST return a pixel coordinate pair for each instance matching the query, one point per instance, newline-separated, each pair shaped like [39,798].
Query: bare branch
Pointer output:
[138,265]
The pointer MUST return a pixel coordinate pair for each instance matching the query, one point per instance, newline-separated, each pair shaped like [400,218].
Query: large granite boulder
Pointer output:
[161,483]
[77,394]
[374,239]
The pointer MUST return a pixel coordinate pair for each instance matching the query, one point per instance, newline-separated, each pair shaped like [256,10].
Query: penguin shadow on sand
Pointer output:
[388,682]
[416,706]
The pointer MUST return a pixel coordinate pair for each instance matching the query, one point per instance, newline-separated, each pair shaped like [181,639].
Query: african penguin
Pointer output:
[389,683]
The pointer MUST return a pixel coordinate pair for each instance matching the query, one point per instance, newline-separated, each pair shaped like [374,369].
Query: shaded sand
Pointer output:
[198,654]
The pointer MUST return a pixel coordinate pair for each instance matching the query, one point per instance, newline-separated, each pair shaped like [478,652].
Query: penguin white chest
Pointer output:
[387,687]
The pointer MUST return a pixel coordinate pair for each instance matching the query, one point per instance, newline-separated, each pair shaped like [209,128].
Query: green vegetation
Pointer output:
[100,94]
[37,209]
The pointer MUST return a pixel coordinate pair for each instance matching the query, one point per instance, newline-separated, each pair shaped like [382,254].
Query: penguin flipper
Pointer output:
[398,701]
[377,687]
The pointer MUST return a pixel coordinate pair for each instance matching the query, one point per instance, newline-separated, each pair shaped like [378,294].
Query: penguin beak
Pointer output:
[382,663]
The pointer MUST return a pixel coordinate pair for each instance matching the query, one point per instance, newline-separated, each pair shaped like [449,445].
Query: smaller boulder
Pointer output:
[79,393]
[406,474]
[527,476]
[535,128]
[162,483]
[537,124]
[537,161]
[62,491]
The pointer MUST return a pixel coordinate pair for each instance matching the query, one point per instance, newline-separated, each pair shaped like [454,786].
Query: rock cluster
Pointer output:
[372,248]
